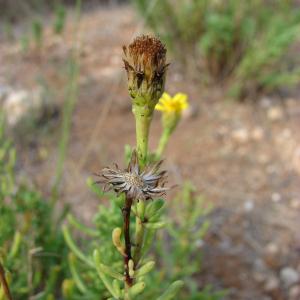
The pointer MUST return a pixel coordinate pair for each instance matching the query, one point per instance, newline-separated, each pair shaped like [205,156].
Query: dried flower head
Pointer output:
[145,64]
[136,184]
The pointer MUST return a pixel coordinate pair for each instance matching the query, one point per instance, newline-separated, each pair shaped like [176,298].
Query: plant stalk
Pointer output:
[139,239]
[127,257]
[163,142]
[4,283]
[142,121]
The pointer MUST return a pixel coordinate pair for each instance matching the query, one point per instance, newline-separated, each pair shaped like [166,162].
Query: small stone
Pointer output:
[240,135]
[257,134]
[272,284]
[248,206]
[286,134]
[22,105]
[266,102]
[275,113]
[276,197]
[15,106]
[295,203]
[272,249]
[289,276]
[271,255]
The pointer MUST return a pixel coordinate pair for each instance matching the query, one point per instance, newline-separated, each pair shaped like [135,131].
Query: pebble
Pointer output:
[21,104]
[289,276]
[257,134]
[272,249]
[248,206]
[295,203]
[240,135]
[275,113]
[276,197]
[16,106]
[286,134]
[266,102]
[271,255]
[272,284]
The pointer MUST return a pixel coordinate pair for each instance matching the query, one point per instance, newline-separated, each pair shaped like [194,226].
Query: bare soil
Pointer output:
[243,157]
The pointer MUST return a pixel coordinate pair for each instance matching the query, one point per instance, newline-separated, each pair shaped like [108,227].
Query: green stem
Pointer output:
[77,252]
[163,142]
[142,121]
[103,277]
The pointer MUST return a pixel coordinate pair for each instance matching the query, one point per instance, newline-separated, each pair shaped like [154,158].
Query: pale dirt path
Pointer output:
[241,160]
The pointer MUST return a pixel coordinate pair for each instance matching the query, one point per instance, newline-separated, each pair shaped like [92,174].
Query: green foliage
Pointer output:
[87,284]
[25,41]
[176,251]
[71,96]
[37,32]
[32,247]
[60,19]
[246,43]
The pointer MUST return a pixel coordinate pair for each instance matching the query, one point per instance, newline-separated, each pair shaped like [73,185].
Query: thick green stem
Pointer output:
[142,121]
[143,118]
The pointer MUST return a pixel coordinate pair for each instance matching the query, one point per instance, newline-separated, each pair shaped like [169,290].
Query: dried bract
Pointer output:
[136,184]
[145,64]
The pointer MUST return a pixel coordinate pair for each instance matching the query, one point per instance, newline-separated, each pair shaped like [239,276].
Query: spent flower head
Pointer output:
[136,184]
[145,64]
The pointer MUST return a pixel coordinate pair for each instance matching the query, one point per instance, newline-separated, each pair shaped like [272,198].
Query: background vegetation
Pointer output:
[248,49]
[246,44]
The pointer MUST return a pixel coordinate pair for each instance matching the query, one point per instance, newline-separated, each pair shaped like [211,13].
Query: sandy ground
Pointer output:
[244,158]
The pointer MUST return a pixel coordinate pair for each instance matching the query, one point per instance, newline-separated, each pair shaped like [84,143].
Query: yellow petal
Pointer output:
[180,97]
[159,107]
[166,97]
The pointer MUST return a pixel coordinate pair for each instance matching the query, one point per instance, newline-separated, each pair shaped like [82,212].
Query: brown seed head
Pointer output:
[134,182]
[145,64]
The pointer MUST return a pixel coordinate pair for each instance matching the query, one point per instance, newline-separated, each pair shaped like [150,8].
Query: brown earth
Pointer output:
[245,158]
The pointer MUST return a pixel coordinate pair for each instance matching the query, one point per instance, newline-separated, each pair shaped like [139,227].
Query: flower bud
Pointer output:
[116,238]
[131,268]
[172,108]
[145,64]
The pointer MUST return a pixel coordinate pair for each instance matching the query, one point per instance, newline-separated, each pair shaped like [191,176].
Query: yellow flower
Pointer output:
[176,104]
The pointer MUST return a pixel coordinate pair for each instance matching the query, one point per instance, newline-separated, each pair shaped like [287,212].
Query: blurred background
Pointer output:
[66,110]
